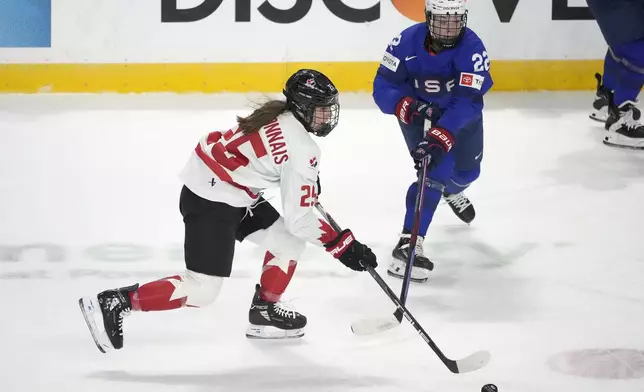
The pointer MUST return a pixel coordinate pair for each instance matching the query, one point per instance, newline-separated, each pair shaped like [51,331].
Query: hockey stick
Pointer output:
[418,208]
[468,364]
[373,325]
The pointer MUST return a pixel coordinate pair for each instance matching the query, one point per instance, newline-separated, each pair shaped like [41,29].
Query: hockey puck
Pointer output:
[489,388]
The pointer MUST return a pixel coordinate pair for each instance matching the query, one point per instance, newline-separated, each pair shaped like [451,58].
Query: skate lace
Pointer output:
[284,309]
[459,201]
[115,303]
[418,249]
[629,116]
[631,123]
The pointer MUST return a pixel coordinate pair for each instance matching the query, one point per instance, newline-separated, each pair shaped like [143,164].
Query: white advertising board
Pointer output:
[117,31]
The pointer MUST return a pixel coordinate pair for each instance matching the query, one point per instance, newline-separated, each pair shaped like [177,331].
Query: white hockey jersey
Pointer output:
[232,167]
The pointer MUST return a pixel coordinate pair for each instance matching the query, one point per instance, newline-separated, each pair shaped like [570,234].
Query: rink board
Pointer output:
[265,77]
[239,46]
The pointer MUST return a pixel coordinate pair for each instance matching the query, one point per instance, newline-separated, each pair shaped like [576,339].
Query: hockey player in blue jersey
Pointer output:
[436,71]
[622,25]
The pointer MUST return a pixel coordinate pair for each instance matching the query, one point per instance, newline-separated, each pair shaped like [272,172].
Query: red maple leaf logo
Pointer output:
[328,234]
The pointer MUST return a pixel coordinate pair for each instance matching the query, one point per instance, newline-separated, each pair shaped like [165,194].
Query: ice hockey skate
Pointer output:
[104,315]
[272,320]
[461,205]
[421,266]
[624,127]
[600,105]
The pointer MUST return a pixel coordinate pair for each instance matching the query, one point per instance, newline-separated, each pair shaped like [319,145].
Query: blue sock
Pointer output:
[627,82]
[430,202]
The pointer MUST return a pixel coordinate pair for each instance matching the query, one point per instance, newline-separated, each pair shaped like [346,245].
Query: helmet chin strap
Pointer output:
[430,45]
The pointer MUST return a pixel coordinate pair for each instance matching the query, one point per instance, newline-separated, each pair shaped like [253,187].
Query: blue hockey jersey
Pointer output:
[455,79]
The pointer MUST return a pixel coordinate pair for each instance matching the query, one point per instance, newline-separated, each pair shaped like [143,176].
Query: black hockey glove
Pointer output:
[350,252]
[436,145]
[412,111]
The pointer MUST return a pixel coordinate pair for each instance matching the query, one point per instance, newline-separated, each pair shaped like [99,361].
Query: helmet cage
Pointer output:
[446,30]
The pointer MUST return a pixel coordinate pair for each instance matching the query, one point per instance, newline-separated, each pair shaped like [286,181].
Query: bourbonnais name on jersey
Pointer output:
[233,167]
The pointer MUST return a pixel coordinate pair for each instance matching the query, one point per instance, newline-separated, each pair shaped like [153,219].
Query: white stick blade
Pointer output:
[374,325]
[474,362]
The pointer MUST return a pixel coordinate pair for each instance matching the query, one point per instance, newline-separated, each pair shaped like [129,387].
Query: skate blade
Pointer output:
[615,141]
[411,279]
[270,332]
[466,221]
[89,309]
[459,214]
[397,270]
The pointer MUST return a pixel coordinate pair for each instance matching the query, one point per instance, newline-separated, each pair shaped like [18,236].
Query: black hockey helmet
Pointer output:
[446,21]
[314,101]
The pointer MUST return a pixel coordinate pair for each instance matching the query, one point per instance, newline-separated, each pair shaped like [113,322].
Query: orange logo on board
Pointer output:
[412,9]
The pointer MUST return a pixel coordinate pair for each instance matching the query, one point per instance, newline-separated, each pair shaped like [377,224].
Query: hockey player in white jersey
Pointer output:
[221,203]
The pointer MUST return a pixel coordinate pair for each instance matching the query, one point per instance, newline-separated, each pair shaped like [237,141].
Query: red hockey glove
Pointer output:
[436,145]
[350,252]
[411,111]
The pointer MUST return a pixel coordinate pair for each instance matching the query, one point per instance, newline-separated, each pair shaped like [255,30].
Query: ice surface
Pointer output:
[553,262]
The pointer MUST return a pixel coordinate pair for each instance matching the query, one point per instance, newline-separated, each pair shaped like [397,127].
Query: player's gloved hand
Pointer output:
[412,111]
[350,252]
[436,144]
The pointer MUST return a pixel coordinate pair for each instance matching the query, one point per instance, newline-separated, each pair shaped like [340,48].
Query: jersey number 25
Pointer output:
[226,152]
[309,198]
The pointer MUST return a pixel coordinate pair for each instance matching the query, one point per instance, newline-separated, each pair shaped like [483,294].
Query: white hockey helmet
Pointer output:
[446,21]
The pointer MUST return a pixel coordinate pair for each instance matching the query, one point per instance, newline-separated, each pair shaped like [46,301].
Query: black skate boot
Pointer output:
[421,266]
[600,105]
[271,320]
[104,315]
[624,127]
[461,205]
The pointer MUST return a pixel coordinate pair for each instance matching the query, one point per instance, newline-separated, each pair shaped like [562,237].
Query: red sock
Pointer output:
[156,295]
[275,277]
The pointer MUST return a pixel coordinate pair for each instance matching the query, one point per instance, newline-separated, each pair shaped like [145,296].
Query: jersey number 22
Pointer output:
[481,62]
